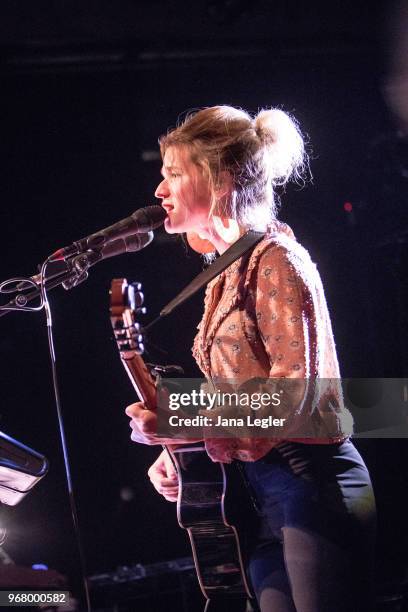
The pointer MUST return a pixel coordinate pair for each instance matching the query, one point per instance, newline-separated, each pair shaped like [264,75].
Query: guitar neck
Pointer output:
[140,377]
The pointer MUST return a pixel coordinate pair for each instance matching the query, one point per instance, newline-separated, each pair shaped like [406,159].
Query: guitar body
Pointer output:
[202,505]
[202,509]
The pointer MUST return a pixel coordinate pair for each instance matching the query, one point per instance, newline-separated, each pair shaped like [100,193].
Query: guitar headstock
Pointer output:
[126,305]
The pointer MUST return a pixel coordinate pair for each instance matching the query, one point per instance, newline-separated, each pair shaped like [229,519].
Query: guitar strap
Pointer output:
[243,245]
[239,248]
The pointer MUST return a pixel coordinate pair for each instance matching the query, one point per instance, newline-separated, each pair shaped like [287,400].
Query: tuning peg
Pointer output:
[135,295]
[140,349]
[139,298]
[136,335]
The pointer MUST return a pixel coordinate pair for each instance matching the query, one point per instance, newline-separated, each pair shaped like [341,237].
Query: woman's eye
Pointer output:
[174,174]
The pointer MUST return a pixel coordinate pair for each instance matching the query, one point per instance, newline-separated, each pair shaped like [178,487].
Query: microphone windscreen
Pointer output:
[130,244]
[149,218]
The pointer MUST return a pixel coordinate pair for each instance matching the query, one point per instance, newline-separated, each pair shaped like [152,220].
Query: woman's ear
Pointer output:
[223,194]
[223,188]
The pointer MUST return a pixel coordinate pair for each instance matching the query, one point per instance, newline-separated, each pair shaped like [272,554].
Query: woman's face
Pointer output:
[184,192]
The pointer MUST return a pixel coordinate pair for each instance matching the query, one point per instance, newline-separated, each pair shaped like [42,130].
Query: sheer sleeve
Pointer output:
[280,315]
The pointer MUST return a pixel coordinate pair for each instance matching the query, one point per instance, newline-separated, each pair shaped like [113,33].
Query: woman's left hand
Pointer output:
[143,423]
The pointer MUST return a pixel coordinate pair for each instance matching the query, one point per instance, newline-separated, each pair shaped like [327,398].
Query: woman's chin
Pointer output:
[172,228]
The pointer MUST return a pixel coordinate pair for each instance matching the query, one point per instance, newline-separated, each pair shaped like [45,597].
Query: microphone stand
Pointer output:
[76,273]
[73,276]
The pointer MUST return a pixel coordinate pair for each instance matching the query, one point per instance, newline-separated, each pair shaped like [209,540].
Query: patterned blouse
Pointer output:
[266,316]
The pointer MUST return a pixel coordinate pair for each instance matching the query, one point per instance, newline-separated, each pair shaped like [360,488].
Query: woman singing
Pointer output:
[266,317]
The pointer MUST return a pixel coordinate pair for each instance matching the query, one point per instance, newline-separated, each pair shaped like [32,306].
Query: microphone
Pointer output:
[81,262]
[141,221]
[131,244]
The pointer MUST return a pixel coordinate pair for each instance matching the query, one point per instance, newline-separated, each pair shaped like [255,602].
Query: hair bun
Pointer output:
[280,135]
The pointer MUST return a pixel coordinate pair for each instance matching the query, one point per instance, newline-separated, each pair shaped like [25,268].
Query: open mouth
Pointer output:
[168,207]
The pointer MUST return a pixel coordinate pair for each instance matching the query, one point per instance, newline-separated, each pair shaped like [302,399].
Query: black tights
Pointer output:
[314,551]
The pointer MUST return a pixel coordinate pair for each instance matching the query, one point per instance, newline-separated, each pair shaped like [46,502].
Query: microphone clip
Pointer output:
[79,266]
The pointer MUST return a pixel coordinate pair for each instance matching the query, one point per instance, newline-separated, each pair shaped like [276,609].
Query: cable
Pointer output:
[45,302]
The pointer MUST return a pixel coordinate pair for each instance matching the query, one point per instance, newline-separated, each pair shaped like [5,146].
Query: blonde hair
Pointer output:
[259,154]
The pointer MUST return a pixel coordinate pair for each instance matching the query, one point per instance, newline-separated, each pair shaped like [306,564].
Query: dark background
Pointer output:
[86,88]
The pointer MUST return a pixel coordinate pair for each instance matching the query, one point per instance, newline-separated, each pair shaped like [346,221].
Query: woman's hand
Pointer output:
[143,423]
[163,477]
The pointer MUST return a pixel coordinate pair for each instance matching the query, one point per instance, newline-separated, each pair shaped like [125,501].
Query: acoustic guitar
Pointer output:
[202,498]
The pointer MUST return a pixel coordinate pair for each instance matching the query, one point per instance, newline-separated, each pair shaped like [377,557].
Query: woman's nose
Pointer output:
[162,190]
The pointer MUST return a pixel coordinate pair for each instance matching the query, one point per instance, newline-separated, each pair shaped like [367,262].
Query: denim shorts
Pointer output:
[314,546]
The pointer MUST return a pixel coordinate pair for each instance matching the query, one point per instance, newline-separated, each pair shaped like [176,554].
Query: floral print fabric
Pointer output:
[266,316]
